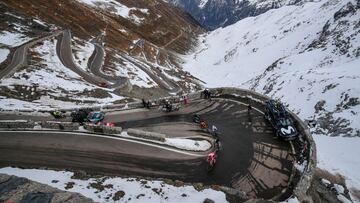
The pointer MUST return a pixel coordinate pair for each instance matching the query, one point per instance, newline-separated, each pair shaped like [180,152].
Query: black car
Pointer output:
[80,115]
[280,119]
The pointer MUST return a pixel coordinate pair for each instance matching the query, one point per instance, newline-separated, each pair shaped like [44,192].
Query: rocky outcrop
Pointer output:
[213,14]
[16,189]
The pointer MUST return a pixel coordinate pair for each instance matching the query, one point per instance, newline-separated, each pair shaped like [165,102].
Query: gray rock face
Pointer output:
[16,189]
[213,14]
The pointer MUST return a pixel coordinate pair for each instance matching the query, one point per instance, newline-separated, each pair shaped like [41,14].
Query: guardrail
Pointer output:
[304,182]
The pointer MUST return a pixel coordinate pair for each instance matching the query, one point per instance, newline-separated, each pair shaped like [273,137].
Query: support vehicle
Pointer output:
[280,119]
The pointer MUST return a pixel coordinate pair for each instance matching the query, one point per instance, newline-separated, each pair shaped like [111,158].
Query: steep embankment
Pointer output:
[213,14]
[307,56]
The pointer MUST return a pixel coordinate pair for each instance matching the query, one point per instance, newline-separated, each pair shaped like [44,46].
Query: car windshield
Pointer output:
[285,121]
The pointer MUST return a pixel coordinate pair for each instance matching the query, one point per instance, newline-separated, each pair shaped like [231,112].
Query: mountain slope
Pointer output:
[213,14]
[308,57]
[116,49]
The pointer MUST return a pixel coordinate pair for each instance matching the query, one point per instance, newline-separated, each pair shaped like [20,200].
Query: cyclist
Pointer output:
[203,125]
[214,130]
[211,159]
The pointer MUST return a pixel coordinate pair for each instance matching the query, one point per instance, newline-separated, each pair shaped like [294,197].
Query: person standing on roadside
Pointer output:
[143,102]
[249,108]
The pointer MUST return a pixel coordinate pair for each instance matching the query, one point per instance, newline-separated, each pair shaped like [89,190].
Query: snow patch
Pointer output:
[12,39]
[117,9]
[3,54]
[139,190]
[188,144]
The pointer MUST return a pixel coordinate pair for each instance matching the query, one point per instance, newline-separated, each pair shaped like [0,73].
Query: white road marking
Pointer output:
[102,136]
[258,110]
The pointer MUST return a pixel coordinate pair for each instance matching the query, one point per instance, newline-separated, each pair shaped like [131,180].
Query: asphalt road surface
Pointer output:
[20,55]
[64,52]
[250,158]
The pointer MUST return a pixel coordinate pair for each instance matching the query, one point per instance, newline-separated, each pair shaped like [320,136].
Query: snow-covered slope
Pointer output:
[213,14]
[308,56]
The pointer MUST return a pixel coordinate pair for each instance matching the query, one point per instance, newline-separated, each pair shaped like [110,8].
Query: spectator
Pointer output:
[249,108]
[185,99]
[143,102]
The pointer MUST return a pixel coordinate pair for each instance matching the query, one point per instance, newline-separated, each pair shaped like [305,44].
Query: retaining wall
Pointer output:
[69,126]
[17,124]
[146,135]
[102,129]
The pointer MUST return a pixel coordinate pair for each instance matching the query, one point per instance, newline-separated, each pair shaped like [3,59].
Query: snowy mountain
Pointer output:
[308,56]
[213,14]
[103,51]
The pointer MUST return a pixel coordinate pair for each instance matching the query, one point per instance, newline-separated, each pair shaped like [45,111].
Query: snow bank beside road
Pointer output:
[3,54]
[188,144]
[133,190]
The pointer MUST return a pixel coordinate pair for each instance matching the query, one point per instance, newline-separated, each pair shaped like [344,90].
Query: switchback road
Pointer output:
[250,158]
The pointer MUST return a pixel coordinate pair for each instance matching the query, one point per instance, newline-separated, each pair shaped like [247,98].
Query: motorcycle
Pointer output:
[57,114]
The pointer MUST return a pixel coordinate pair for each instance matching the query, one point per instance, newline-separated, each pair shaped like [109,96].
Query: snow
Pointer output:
[54,78]
[231,56]
[132,187]
[188,144]
[343,199]
[202,3]
[136,76]
[271,54]
[336,154]
[339,189]
[180,143]
[55,74]
[292,200]
[12,39]
[3,54]
[325,182]
[40,22]
[83,53]
[117,8]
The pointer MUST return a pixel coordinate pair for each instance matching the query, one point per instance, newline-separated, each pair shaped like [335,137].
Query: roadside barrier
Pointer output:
[69,126]
[146,135]
[102,129]
[17,124]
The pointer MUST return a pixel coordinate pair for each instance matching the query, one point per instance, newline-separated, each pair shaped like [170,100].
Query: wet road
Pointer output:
[19,57]
[250,159]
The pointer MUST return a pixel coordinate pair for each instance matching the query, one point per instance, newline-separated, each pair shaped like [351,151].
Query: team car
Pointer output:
[80,115]
[95,117]
[280,119]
